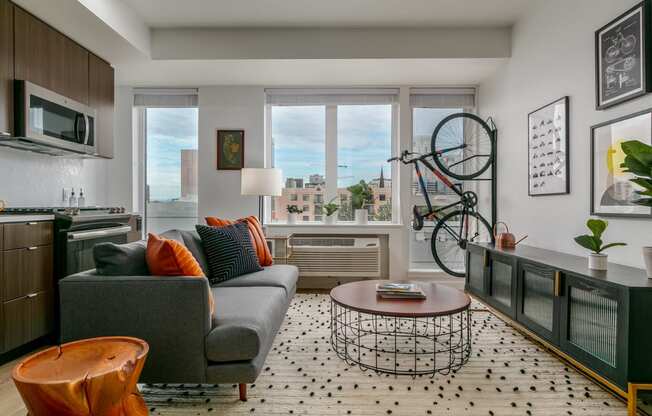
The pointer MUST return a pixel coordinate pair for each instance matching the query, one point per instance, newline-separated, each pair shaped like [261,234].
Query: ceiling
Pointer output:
[328,13]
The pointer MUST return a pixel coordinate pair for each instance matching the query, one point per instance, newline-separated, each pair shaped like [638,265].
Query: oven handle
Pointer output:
[102,232]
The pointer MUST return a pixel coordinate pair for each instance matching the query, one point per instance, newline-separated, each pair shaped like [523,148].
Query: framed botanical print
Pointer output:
[548,162]
[230,149]
[612,192]
[622,58]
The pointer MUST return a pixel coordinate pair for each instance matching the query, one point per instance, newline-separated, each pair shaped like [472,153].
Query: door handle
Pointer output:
[557,283]
[31,295]
[31,223]
[32,248]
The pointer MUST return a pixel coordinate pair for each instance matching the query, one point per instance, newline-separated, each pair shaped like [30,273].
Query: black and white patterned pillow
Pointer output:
[228,250]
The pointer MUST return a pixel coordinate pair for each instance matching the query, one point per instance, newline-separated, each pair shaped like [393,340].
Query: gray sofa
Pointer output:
[187,344]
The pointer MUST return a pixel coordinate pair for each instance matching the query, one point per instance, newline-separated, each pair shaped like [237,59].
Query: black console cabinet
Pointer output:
[599,320]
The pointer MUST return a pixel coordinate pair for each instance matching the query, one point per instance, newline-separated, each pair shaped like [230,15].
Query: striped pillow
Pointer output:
[256,234]
[229,251]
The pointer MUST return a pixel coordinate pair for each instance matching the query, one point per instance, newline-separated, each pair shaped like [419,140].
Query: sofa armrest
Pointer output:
[171,313]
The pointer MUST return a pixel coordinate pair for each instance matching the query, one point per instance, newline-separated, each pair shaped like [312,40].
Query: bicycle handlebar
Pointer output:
[403,158]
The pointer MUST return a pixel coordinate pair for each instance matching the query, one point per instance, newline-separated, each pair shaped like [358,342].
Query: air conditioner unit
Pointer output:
[336,256]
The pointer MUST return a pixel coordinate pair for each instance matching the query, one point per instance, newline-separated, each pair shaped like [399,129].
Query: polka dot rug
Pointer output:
[506,375]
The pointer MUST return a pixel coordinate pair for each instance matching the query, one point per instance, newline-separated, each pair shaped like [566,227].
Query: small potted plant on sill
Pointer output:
[331,212]
[293,213]
[597,259]
[638,161]
[361,197]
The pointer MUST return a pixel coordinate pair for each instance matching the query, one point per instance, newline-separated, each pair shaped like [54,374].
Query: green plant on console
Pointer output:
[594,242]
[293,209]
[638,161]
[361,195]
[331,208]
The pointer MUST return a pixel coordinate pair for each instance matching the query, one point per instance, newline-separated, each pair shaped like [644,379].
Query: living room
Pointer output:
[311,165]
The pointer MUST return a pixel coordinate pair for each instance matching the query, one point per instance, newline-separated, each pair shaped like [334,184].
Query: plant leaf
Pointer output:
[638,150]
[587,241]
[635,166]
[606,246]
[597,226]
[646,202]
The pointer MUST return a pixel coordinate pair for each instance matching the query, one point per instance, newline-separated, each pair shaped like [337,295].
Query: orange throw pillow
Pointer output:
[170,258]
[255,232]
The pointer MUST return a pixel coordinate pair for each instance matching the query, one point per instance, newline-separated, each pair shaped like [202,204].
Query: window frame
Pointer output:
[330,188]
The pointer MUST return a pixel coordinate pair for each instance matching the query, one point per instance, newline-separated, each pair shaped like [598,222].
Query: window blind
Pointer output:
[170,98]
[443,97]
[335,96]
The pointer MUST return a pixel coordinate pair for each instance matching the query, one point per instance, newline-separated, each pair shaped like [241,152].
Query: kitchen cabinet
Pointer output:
[47,58]
[27,284]
[101,97]
[6,68]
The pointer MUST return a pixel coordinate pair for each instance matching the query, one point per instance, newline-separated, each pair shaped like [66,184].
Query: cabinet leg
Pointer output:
[243,392]
[631,399]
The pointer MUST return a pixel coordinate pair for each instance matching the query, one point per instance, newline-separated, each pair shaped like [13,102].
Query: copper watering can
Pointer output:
[506,239]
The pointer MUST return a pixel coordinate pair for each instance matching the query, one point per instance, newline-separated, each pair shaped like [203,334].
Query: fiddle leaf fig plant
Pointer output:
[361,195]
[638,161]
[594,242]
[331,208]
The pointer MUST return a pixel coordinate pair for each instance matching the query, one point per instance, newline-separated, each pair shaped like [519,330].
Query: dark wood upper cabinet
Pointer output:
[101,97]
[6,67]
[48,58]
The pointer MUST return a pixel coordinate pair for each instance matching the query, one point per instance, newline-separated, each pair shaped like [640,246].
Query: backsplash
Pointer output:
[29,179]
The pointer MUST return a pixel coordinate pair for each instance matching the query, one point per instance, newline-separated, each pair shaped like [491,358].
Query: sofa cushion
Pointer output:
[228,250]
[245,319]
[167,257]
[278,275]
[121,259]
[255,232]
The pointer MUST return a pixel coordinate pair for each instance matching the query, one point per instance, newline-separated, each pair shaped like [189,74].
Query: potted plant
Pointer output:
[293,213]
[361,197]
[331,210]
[638,161]
[597,259]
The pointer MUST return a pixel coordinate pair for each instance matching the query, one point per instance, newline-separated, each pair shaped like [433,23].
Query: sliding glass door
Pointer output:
[171,141]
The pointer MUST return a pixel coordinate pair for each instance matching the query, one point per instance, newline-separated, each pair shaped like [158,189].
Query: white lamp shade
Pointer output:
[261,181]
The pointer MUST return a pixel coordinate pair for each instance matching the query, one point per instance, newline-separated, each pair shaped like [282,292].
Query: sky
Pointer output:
[169,130]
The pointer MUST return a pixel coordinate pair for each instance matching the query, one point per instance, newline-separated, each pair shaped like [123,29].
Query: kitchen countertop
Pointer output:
[4,218]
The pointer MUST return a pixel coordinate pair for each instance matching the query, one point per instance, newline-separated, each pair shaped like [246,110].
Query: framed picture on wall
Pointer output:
[548,163]
[622,58]
[612,192]
[230,149]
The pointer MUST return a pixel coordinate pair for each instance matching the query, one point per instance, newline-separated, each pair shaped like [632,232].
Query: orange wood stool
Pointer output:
[95,377]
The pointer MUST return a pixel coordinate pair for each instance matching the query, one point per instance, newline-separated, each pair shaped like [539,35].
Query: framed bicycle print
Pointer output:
[622,57]
[612,192]
[548,162]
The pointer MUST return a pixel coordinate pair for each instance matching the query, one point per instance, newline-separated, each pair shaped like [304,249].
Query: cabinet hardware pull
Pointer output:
[31,295]
[32,223]
[485,259]
[5,133]
[557,283]
[32,248]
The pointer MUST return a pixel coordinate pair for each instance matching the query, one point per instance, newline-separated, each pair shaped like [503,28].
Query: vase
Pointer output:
[647,257]
[330,219]
[598,261]
[361,216]
[292,217]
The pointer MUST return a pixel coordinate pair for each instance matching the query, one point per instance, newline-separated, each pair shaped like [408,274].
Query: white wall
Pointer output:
[553,56]
[30,179]
[120,170]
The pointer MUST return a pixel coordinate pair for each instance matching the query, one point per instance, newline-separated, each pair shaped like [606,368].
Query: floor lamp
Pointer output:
[261,182]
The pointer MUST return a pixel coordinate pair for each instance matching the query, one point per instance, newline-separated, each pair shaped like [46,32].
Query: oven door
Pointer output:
[79,246]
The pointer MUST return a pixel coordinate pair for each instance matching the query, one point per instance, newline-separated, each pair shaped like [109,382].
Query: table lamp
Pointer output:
[261,182]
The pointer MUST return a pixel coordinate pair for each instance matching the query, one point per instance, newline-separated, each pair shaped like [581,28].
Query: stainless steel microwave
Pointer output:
[50,119]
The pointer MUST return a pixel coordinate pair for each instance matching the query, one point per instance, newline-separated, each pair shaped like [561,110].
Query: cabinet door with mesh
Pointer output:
[538,306]
[475,270]
[592,313]
[502,283]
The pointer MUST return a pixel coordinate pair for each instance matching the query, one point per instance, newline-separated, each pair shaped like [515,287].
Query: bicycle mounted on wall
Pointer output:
[458,222]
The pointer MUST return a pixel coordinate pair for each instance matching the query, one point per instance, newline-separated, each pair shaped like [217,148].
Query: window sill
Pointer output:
[338,225]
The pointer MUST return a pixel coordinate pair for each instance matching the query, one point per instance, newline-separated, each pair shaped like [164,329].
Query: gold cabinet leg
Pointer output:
[631,399]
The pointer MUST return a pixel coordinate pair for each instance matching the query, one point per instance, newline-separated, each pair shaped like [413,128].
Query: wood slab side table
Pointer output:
[94,376]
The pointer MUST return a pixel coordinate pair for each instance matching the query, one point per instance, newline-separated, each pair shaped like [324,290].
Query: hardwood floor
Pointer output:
[10,402]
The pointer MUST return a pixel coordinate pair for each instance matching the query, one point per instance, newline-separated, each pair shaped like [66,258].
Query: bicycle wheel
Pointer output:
[477,139]
[448,243]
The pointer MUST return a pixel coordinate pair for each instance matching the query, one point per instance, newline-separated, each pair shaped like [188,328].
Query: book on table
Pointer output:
[399,291]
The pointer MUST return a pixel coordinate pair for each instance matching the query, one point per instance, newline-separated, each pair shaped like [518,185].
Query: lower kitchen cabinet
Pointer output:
[27,319]
[600,319]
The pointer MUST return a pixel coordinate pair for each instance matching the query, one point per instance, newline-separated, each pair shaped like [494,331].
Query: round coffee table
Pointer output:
[401,336]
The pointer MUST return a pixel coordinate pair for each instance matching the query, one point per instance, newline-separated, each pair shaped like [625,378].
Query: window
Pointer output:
[326,141]
[306,208]
[171,168]
[306,218]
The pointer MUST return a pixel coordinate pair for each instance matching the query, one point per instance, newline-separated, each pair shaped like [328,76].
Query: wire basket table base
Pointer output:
[401,345]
